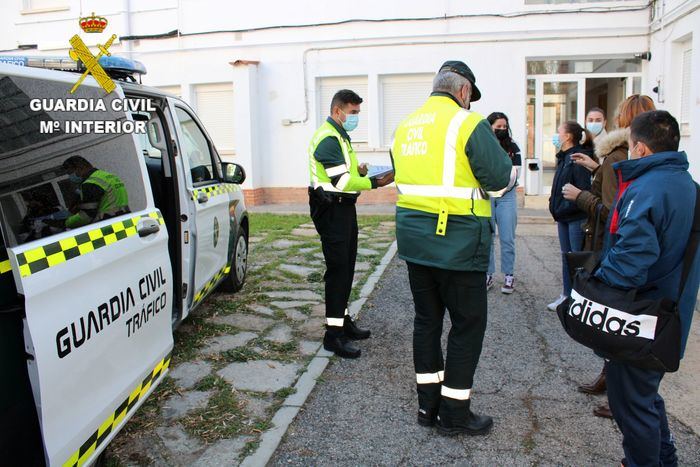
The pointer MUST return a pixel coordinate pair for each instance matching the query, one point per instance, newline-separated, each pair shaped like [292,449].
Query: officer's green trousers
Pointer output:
[463,294]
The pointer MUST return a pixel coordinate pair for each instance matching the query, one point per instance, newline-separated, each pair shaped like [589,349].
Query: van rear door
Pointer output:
[97,297]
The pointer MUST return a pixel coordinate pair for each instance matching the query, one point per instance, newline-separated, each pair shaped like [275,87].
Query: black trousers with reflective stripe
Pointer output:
[463,294]
[337,225]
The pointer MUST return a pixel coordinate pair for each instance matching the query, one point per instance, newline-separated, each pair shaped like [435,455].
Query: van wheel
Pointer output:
[239,264]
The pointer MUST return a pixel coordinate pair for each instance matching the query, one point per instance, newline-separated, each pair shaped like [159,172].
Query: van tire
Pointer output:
[239,264]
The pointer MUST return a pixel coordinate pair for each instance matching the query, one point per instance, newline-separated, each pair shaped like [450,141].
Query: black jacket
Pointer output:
[567,172]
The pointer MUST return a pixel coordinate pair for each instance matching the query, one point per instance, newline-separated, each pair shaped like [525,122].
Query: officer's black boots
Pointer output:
[351,330]
[338,343]
[451,422]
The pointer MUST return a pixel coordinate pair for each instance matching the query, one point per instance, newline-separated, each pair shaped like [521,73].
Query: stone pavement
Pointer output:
[363,412]
[238,358]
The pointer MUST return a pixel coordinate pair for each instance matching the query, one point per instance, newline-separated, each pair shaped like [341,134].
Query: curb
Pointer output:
[307,381]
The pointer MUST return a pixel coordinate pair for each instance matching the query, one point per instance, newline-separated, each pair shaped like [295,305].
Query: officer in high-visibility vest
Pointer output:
[336,180]
[446,162]
[102,194]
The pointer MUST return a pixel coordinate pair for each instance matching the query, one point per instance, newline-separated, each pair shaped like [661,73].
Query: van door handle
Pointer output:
[202,197]
[149,227]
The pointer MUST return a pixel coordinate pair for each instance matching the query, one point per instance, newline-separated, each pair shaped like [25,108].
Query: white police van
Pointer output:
[87,314]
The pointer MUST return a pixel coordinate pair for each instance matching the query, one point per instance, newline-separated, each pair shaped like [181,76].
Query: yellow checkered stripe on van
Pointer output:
[4,261]
[55,253]
[216,190]
[209,286]
[116,419]
[5,266]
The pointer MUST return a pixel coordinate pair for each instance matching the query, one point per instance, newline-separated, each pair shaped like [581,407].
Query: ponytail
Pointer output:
[580,135]
[587,142]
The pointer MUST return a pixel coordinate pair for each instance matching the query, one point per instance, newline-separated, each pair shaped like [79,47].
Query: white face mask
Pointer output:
[630,156]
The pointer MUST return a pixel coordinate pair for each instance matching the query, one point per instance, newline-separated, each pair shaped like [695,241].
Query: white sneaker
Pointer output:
[508,285]
[553,306]
[489,281]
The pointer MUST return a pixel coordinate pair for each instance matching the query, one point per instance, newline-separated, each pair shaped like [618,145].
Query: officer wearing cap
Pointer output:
[447,163]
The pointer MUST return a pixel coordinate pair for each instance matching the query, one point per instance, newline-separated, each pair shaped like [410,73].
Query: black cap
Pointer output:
[462,69]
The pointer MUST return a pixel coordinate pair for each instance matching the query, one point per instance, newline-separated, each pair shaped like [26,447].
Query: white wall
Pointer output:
[677,23]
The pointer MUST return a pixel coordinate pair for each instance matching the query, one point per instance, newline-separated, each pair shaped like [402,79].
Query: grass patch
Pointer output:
[262,349]
[250,448]
[209,383]
[266,222]
[285,392]
[223,417]
[315,277]
[241,354]
[189,339]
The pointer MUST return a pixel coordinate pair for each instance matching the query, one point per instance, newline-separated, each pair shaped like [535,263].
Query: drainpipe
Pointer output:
[126,19]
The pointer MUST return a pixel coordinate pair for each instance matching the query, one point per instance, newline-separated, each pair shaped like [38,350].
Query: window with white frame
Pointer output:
[34,5]
[327,88]
[401,95]
[686,87]
[214,104]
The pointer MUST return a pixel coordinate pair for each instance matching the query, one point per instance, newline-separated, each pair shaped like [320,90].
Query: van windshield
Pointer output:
[51,180]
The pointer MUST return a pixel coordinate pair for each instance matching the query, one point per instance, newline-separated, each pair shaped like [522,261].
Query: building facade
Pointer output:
[261,75]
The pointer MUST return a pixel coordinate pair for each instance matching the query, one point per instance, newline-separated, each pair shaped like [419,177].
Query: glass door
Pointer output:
[557,102]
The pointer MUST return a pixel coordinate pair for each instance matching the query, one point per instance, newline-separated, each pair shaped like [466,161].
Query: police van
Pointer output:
[88,308]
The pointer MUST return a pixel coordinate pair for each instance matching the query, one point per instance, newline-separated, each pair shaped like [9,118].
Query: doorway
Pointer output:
[564,90]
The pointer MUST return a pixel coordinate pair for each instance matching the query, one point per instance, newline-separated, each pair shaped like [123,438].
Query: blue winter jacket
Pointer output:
[649,228]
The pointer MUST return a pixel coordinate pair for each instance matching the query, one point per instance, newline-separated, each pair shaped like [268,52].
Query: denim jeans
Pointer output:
[571,237]
[504,214]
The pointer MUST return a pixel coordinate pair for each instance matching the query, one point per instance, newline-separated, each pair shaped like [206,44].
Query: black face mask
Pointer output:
[501,134]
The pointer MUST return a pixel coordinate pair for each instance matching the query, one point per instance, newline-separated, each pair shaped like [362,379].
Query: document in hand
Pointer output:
[378,171]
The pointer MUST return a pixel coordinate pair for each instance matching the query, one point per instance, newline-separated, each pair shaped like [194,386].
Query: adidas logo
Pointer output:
[610,320]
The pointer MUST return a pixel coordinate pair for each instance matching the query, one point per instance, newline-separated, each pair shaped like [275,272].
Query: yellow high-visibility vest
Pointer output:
[319,176]
[432,167]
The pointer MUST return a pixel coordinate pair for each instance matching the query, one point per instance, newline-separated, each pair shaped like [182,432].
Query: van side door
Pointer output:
[209,204]
[97,289]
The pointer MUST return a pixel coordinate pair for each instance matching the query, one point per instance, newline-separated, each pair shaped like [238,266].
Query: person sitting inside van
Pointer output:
[102,194]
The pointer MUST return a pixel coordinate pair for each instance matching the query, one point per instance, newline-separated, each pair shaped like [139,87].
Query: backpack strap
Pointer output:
[693,242]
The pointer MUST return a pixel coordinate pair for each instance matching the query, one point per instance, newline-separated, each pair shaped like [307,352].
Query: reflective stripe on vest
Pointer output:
[319,176]
[433,173]
[115,199]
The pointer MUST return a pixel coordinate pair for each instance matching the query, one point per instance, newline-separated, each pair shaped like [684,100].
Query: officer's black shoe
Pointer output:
[472,424]
[427,417]
[351,330]
[340,345]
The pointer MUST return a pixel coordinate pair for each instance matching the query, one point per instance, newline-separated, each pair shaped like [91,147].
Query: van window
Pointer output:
[196,148]
[48,179]
[144,139]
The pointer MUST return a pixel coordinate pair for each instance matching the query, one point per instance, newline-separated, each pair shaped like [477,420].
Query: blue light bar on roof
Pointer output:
[122,65]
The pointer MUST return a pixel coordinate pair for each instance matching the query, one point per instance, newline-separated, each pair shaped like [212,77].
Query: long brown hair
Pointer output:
[631,107]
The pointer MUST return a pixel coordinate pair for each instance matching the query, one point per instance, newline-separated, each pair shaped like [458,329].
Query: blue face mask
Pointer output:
[556,142]
[74,179]
[594,127]
[351,121]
